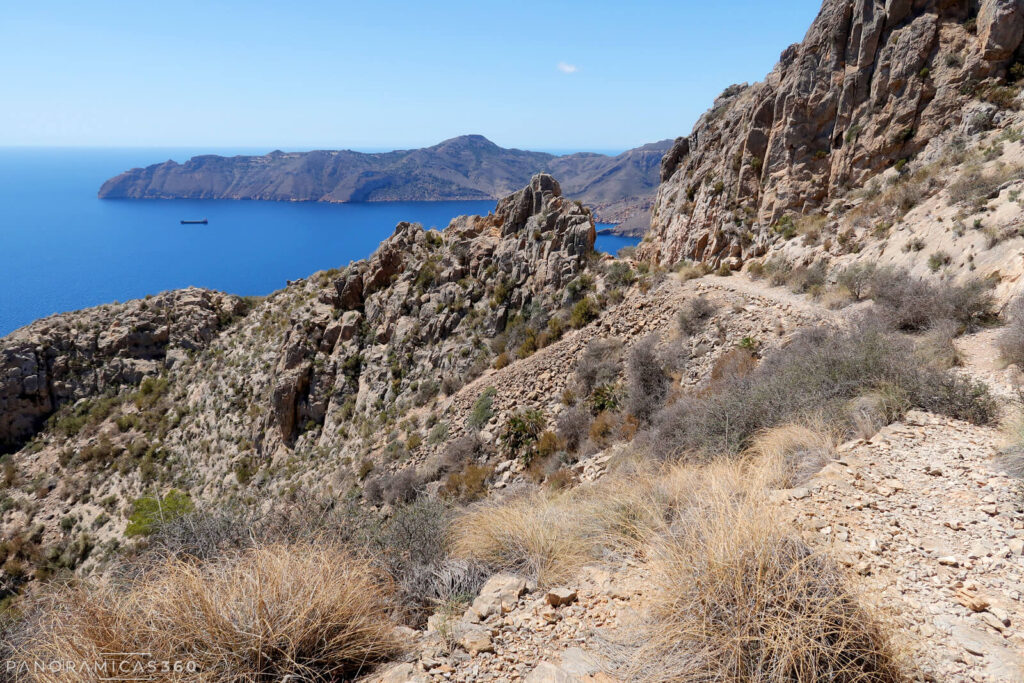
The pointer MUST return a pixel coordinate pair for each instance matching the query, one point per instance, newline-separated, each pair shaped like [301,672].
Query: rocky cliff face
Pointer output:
[467,167]
[873,83]
[61,359]
[422,308]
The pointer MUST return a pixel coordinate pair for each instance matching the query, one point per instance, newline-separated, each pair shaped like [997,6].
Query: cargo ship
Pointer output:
[201,221]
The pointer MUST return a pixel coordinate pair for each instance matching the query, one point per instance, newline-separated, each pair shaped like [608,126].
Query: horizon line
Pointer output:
[613,149]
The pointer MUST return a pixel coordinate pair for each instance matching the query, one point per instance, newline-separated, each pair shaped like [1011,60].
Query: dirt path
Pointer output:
[919,512]
[743,309]
[938,534]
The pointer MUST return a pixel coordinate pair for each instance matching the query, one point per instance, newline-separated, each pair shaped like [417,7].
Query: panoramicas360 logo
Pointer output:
[110,666]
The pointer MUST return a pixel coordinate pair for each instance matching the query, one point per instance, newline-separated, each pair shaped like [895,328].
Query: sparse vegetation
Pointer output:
[975,186]
[573,426]
[150,512]
[913,304]
[817,374]
[647,381]
[1011,337]
[584,311]
[743,600]
[308,610]
[521,432]
[695,314]
[483,409]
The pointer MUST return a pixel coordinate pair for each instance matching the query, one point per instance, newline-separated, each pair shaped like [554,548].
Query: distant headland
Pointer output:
[619,188]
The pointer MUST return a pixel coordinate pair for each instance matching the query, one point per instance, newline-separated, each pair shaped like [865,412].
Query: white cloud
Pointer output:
[567,68]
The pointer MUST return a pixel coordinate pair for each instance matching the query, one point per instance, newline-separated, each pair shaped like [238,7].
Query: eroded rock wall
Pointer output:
[872,83]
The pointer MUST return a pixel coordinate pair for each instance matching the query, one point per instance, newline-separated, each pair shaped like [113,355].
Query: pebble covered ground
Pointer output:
[937,532]
[929,526]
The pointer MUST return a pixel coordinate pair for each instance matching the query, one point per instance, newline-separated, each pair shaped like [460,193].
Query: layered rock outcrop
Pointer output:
[63,358]
[872,83]
[421,307]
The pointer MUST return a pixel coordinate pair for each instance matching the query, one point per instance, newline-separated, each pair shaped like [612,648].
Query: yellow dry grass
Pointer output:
[308,611]
[736,596]
[739,598]
[551,534]
[794,452]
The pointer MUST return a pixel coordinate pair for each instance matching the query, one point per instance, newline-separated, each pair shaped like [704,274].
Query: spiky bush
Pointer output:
[303,611]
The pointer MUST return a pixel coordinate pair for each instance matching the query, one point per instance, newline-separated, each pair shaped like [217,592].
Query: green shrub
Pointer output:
[604,397]
[584,312]
[438,434]
[938,260]
[620,274]
[521,433]
[856,278]
[817,375]
[149,512]
[150,392]
[483,409]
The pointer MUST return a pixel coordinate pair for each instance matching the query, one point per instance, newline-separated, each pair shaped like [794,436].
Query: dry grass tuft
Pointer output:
[739,599]
[311,612]
[736,597]
[550,535]
[795,452]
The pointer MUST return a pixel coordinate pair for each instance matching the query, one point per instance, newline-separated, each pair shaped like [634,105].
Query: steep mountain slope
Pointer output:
[872,84]
[58,360]
[193,389]
[467,167]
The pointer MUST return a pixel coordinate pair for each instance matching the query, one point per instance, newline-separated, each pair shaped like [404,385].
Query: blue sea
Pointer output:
[62,249]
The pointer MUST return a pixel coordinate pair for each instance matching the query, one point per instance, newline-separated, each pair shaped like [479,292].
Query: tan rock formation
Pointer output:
[872,83]
[63,358]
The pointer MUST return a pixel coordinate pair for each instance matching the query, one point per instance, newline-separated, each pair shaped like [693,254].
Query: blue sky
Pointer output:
[308,74]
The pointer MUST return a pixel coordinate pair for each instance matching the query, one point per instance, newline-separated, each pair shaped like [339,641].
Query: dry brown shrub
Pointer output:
[311,612]
[795,452]
[733,364]
[550,535]
[741,599]
[468,484]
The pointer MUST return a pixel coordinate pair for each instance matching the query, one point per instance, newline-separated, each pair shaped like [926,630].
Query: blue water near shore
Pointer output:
[63,249]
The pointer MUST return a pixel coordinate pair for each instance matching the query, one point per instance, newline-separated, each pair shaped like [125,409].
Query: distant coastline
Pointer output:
[617,188]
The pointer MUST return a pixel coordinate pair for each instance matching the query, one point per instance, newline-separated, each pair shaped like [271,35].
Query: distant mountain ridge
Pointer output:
[467,167]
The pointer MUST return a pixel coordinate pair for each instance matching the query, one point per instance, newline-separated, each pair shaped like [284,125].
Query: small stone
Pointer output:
[799,493]
[499,595]
[402,673]
[999,613]
[990,620]
[476,640]
[972,601]
[546,672]
[977,551]
[949,561]
[556,597]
